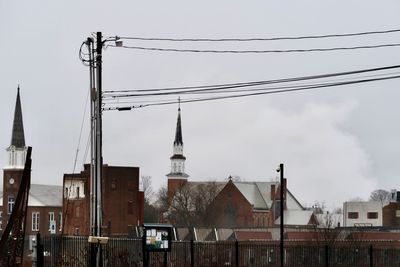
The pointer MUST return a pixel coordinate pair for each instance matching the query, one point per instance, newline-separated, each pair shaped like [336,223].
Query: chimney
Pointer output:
[273,191]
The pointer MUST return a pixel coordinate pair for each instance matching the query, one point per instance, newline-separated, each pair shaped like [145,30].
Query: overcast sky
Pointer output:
[336,143]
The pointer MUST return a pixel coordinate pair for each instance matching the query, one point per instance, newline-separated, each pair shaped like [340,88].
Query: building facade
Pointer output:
[122,200]
[44,202]
[362,213]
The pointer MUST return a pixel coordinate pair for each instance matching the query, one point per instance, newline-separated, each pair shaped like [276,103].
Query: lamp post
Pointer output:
[281,210]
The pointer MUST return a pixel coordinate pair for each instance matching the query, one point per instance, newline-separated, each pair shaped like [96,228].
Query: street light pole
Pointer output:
[282,254]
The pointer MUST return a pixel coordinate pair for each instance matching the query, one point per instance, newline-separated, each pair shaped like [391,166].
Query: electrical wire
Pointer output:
[258,39]
[256,93]
[255,51]
[208,88]
[301,85]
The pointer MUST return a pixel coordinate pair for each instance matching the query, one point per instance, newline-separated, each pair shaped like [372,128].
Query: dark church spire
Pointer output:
[178,132]
[18,137]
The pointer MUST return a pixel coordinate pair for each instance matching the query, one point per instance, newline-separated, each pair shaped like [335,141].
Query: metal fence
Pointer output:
[75,251]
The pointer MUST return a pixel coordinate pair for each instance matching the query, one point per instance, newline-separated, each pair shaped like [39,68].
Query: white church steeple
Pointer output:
[17,149]
[178,159]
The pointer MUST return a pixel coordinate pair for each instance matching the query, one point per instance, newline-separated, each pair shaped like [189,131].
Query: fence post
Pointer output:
[39,251]
[237,253]
[192,253]
[371,256]
[326,256]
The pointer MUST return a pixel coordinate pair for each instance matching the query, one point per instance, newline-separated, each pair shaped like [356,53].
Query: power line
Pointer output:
[259,39]
[205,88]
[225,91]
[310,87]
[256,51]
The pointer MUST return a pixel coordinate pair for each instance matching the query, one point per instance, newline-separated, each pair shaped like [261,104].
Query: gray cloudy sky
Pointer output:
[336,143]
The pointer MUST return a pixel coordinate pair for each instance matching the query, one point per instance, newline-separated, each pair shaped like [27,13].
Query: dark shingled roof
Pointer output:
[178,133]
[18,137]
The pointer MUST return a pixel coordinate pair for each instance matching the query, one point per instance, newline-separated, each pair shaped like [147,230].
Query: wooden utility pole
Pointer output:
[281,198]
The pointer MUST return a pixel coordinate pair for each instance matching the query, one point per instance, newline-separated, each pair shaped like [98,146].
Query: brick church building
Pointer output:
[44,213]
[235,203]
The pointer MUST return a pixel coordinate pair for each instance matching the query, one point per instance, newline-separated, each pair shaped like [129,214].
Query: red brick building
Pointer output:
[123,202]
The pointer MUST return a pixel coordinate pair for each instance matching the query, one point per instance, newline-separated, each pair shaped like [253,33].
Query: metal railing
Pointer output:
[74,251]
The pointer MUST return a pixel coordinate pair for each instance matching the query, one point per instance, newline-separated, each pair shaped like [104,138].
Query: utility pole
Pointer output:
[93,96]
[98,150]
[282,253]
[96,162]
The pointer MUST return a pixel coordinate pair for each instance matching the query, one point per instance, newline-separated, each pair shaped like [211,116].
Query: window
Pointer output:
[113,184]
[77,211]
[10,203]
[372,215]
[51,219]
[66,192]
[35,221]
[1,220]
[352,215]
[77,192]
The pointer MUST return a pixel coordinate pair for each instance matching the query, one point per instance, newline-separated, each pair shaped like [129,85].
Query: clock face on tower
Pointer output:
[11,181]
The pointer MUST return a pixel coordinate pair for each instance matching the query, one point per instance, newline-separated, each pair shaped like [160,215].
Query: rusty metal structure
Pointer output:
[12,240]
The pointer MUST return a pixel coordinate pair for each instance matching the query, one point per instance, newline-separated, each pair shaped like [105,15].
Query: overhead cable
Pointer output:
[247,84]
[161,49]
[310,87]
[259,39]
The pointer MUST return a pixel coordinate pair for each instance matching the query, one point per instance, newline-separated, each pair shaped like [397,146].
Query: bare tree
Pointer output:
[147,189]
[380,195]
[188,204]
[151,211]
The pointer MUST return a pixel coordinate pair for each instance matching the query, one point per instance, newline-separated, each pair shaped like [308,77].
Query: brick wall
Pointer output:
[231,209]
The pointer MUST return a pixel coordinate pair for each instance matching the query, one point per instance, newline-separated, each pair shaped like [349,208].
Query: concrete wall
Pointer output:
[363,209]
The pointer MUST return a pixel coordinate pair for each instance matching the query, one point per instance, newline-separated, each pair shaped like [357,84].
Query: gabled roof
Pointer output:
[257,194]
[43,196]
[296,217]
[18,137]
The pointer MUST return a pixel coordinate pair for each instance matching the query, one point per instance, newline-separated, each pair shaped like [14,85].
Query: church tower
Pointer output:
[12,172]
[177,177]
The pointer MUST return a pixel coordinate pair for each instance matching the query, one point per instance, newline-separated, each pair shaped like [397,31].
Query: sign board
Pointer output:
[52,227]
[157,237]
